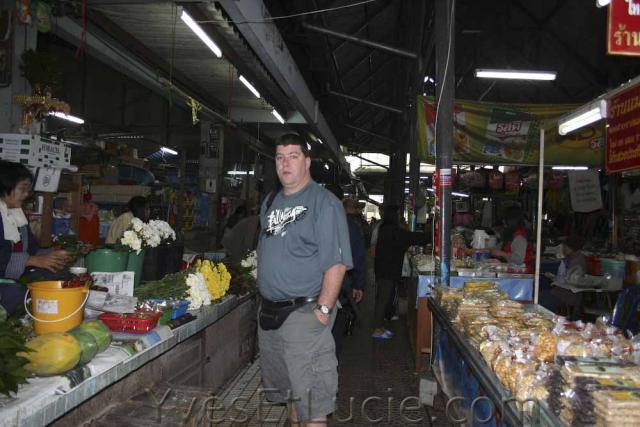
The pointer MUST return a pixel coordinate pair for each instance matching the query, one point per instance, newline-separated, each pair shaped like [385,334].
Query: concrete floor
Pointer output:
[382,368]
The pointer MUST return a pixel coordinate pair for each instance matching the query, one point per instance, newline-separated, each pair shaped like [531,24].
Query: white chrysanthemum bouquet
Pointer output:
[150,234]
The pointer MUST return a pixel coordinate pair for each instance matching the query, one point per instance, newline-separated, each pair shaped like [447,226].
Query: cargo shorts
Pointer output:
[299,365]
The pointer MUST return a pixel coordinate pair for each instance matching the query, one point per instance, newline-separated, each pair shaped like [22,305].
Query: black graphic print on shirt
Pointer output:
[278,219]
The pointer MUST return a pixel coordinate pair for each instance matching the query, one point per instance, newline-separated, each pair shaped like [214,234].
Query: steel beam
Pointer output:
[370,161]
[375,16]
[255,115]
[365,101]
[368,132]
[364,42]
[253,22]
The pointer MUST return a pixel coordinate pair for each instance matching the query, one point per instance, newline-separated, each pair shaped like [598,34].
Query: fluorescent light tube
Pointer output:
[326,166]
[187,19]
[602,3]
[67,117]
[250,86]
[239,173]
[168,150]
[583,116]
[308,146]
[277,116]
[570,168]
[515,74]
[320,141]
[459,194]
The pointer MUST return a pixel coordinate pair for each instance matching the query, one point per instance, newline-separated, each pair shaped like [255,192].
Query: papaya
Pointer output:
[88,345]
[100,332]
[52,354]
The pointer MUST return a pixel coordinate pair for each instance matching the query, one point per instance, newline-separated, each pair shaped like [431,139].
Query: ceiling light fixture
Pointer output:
[277,116]
[168,150]
[236,172]
[308,146]
[570,168]
[583,116]
[320,141]
[67,117]
[515,74]
[249,86]
[187,19]
[326,166]
[602,3]
[459,194]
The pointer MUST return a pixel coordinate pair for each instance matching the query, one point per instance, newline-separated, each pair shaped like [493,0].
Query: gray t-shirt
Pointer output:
[303,235]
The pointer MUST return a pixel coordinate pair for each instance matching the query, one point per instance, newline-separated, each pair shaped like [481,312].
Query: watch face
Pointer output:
[324,309]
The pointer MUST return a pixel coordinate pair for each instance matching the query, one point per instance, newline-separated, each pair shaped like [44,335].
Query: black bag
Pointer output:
[272,318]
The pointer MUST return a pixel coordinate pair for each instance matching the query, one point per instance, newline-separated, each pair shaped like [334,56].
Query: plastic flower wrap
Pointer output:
[216,276]
[198,291]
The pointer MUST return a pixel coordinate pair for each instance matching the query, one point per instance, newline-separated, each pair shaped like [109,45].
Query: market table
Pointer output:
[183,355]
[462,372]
[573,296]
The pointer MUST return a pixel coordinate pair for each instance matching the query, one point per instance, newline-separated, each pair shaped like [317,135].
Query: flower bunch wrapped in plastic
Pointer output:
[198,291]
[132,241]
[217,277]
[163,229]
[251,261]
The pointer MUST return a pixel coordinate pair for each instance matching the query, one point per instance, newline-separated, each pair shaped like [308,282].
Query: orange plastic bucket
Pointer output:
[54,308]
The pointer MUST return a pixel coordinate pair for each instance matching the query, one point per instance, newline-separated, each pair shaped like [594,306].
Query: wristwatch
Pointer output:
[324,309]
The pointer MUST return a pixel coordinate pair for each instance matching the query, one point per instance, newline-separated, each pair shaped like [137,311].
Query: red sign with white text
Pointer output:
[623,131]
[623,27]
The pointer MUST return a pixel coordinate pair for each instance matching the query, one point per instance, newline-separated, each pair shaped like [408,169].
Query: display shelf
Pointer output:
[488,381]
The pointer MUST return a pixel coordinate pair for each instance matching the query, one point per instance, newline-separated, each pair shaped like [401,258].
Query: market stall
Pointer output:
[512,363]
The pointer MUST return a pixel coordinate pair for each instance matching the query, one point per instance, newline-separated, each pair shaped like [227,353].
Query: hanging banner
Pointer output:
[495,134]
[623,133]
[623,27]
[584,187]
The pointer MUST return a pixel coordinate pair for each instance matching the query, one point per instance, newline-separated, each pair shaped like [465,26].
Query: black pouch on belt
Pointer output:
[274,313]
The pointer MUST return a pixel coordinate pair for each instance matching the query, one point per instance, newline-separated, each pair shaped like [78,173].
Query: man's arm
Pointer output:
[331,284]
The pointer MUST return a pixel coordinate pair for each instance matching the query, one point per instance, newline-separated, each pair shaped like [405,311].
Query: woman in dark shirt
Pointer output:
[18,247]
[391,246]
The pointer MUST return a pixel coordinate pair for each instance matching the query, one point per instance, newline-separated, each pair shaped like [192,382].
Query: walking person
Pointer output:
[303,254]
[392,243]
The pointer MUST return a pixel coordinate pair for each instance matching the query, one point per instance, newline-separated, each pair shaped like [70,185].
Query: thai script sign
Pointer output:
[623,27]
[494,133]
[623,133]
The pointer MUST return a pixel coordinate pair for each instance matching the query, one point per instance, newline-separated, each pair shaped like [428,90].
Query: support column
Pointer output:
[445,67]
[23,37]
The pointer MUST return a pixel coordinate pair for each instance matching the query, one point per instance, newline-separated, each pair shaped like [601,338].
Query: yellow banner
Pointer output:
[492,133]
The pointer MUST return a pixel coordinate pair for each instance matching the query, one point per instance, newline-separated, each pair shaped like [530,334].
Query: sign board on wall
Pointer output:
[493,133]
[584,187]
[623,27]
[623,133]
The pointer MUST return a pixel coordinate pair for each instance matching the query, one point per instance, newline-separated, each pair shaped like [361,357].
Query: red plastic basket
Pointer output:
[139,322]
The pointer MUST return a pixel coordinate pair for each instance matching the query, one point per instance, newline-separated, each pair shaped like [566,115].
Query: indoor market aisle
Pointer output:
[383,368]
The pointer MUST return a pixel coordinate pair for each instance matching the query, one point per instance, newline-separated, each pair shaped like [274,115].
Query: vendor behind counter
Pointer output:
[516,249]
[18,247]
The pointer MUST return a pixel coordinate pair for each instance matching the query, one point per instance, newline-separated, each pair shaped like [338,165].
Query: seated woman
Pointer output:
[573,264]
[516,247]
[18,247]
[138,208]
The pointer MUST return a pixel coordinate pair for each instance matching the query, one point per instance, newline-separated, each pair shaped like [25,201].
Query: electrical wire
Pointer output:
[293,15]
[435,130]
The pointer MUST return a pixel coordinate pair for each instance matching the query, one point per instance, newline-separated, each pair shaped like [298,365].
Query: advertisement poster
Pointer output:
[623,133]
[623,27]
[509,134]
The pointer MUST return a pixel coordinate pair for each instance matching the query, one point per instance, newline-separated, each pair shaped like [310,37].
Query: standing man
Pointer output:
[303,254]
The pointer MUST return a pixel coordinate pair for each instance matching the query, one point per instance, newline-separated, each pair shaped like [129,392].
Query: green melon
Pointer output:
[100,332]
[88,344]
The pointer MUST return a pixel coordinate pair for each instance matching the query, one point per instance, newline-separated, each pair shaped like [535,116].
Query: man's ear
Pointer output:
[307,161]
